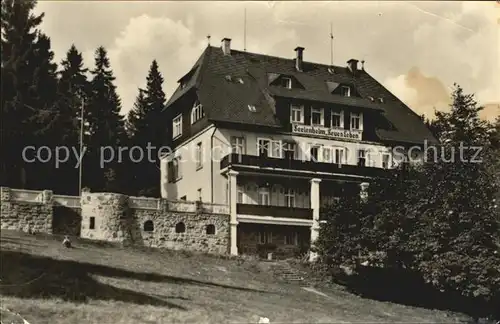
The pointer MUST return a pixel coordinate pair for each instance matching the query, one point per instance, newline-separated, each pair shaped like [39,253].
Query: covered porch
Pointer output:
[283,241]
[279,204]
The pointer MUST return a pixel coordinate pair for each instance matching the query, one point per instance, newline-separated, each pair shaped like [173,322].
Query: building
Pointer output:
[278,138]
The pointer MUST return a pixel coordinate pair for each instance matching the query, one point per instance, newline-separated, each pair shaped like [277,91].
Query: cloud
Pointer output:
[422,93]
[144,39]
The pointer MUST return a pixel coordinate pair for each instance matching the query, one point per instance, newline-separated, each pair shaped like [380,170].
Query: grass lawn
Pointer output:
[102,283]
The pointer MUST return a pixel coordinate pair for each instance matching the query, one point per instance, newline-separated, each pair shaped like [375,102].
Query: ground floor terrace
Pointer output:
[280,213]
[282,241]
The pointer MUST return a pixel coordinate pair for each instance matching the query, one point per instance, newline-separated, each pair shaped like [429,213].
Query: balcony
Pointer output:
[290,165]
[274,211]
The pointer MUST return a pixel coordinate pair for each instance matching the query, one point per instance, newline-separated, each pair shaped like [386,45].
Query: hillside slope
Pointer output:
[101,283]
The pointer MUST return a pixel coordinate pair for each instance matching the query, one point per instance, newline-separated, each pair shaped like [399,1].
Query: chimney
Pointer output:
[352,65]
[299,58]
[226,46]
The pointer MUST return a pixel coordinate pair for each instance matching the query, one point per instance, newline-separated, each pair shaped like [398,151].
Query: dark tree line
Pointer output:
[41,105]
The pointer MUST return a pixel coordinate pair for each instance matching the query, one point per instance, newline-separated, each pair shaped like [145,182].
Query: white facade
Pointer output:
[205,178]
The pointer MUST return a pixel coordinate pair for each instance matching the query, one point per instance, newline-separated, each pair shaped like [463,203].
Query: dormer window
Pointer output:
[338,119]
[297,114]
[345,91]
[286,82]
[197,112]
[317,116]
[357,121]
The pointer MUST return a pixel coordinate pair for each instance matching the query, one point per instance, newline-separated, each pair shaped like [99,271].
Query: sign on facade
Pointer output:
[327,132]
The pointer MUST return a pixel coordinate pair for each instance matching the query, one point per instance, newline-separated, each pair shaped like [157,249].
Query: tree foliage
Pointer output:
[146,127]
[437,219]
[106,126]
[23,48]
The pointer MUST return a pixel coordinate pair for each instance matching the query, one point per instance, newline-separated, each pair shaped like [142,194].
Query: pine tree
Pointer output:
[462,123]
[65,124]
[146,125]
[26,70]
[136,114]
[106,125]
[45,111]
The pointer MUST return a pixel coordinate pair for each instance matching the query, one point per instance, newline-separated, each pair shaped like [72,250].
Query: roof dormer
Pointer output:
[342,89]
[284,81]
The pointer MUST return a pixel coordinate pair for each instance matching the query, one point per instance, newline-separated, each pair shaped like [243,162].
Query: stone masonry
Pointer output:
[173,225]
[26,215]
[119,218]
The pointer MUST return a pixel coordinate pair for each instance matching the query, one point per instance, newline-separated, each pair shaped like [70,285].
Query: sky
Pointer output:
[418,50]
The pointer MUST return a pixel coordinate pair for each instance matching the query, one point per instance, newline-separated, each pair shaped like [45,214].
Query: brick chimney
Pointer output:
[352,65]
[299,58]
[226,46]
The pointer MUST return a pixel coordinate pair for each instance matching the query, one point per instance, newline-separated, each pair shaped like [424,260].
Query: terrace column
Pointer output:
[315,208]
[233,223]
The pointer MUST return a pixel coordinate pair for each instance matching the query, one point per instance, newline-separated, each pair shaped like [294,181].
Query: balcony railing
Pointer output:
[274,211]
[299,165]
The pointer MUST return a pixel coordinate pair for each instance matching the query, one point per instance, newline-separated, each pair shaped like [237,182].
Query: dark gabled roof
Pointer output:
[227,100]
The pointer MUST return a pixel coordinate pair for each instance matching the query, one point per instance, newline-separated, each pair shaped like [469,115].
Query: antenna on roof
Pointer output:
[331,44]
[245,30]
[208,40]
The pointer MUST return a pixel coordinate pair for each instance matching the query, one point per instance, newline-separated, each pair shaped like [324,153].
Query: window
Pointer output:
[252,108]
[317,117]
[345,91]
[210,229]
[297,114]
[263,147]
[356,121]
[386,160]
[184,198]
[269,148]
[177,126]
[199,195]
[174,172]
[265,237]
[237,145]
[327,155]
[180,227]
[314,153]
[92,223]
[197,112]
[338,119]
[148,226]
[290,150]
[361,157]
[339,156]
[290,198]
[264,196]
[199,156]
[292,238]
[286,82]
[239,196]
[276,149]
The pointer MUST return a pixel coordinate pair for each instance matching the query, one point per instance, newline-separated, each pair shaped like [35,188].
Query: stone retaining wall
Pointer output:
[119,218]
[31,211]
